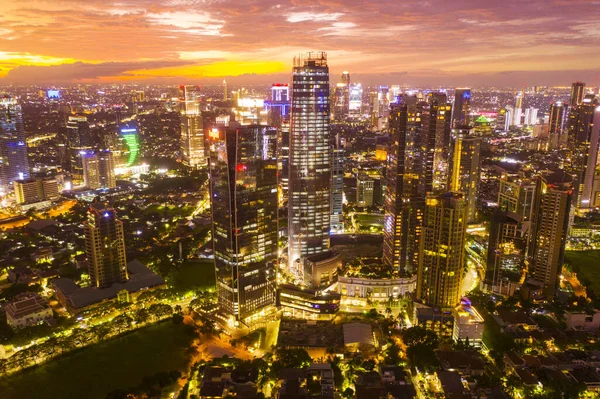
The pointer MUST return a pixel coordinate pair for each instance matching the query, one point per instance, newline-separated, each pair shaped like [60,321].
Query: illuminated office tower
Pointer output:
[337,185]
[310,159]
[14,164]
[577,93]
[583,129]
[131,138]
[465,168]
[441,260]
[192,134]
[243,188]
[439,118]
[507,248]
[518,109]
[500,123]
[225,94]
[557,122]
[104,246]
[341,98]
[98,169]
[462,107]
[355,101]
[409,178]
[549,235]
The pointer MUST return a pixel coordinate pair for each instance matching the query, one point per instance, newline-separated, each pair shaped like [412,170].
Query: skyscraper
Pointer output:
[583,132]
[310,159]
[78,133]
[577,93]
[439,118]
[557,121]
[225,93]
[518,109]
[548,239]
[105,246]
[192,133]
[409,178]
[14,164]
[355,101]
[98,169]
[465,168]
[441,260]
[131,138]
[243,187]
[462,107]
[337,185]
[341,98]
[278,109]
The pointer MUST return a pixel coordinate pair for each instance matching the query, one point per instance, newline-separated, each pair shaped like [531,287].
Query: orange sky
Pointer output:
[42,41]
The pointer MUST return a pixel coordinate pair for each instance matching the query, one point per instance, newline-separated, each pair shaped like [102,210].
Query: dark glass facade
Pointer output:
[243,189]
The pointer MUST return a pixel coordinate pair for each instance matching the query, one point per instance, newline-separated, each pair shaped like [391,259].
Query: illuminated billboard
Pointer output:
[53,94]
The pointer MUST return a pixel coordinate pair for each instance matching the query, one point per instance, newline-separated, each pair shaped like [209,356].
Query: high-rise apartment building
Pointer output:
[105,246]
[98,169]
[192,134]
[243,189]
[310,159]
[409,178]
[14,164]
[465,168]
[549,233]
[438,117]
[583,132]
[442,250]
[518,109]
[341,98]
[577,93]
[35,189]
[557,122]
[461,114]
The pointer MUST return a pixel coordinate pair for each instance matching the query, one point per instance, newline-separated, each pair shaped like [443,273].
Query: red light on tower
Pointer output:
[241,167]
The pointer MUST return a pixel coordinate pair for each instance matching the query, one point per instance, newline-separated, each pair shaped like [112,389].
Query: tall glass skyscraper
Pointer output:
[14,164]
[310,159]
[462,107]
[465,168]
[243,189]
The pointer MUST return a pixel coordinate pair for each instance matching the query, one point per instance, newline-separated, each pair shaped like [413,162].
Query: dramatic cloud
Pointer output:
[484,40]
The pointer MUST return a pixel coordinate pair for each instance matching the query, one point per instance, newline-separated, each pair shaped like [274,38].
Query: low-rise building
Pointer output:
[583,320]
[468,325]
[358,336]
[307,303]
[375,289]
[440,321]
[27,310]
[320,269]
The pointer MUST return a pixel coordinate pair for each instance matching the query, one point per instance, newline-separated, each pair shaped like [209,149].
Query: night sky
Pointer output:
[476,42]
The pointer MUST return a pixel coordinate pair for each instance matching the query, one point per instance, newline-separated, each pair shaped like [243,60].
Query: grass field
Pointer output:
[587,266]
[93,372]
[194,275]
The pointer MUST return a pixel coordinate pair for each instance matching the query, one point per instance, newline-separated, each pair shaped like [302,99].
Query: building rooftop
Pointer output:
[358,333]
[25,305]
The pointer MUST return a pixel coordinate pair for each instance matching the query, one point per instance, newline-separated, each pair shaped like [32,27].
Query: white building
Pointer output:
[376,289]
[27,310]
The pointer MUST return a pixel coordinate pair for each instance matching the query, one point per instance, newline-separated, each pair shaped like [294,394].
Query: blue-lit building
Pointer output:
[462,107]
[14,164]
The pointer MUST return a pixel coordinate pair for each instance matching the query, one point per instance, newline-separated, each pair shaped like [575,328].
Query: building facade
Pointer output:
[243,189]
[442,250]
[192,129]
[310,175]
[461,114]
[465,168]
[105,246]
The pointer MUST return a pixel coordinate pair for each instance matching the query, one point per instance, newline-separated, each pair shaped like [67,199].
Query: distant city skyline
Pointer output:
[463,42]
